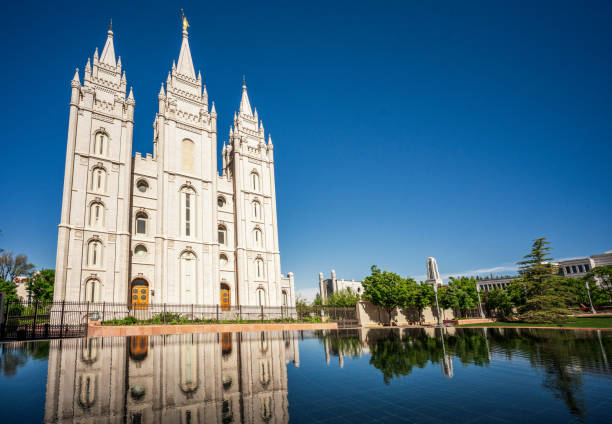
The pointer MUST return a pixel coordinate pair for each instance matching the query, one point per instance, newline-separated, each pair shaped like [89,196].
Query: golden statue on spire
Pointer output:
[185,23]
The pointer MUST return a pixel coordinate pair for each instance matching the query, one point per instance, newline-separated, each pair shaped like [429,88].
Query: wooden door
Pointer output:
[140,296]
[225,298]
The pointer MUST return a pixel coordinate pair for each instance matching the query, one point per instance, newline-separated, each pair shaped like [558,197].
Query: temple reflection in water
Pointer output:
[191,378]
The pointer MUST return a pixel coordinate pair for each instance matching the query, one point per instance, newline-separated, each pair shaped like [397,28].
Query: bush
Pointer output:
[552,315]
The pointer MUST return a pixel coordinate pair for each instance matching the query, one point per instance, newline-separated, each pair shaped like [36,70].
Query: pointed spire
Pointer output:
[123,79]
[168,79]
[161,90]
[76,79]
[108,53]
[231,131]
[245,105]
[213,111]
[185,64]
[96,55]
[131,95]
[88,66]
[119,62]
[199,75]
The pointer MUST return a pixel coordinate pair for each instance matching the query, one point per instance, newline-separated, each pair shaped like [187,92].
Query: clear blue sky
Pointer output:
[460,130]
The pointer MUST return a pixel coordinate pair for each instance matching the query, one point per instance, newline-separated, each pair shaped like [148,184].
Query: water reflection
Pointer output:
[192,378]
[243,377]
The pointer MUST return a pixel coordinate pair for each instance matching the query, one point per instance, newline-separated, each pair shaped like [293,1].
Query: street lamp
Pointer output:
[479,303]
[586,284]
[435,287]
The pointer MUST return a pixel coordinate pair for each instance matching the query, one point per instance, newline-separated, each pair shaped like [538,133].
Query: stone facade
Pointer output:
[333,285]
[166,227]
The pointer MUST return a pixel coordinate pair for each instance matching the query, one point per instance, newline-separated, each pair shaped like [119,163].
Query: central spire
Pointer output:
[185,64]
[108,53]
[245,104]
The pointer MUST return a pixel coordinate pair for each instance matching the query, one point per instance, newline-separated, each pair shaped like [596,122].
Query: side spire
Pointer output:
[245,105]
[108,53]
[185,63]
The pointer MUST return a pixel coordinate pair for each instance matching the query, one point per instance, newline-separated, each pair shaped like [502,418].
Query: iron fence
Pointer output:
[23,320]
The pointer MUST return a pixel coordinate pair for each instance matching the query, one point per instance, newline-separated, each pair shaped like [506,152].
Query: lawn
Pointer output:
[577,322]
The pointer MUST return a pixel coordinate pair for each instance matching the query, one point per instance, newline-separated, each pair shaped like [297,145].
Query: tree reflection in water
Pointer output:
[563,356]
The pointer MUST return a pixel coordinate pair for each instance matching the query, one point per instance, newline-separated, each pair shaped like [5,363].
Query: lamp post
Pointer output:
[479,303]
[586,284]
[435,287]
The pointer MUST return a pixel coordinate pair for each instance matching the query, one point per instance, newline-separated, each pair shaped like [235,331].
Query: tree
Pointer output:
[422,297]
[460,294]
[41,285]
[499,300]
[601,275]
[386,289]
[300,301]
[343,298]
[10,291]
[13,266]
[547,298]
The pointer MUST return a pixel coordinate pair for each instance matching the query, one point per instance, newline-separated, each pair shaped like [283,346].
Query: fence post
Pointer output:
[62,319]
[240,312]
[103,310]
[164,315]
[262,317]
[35,318]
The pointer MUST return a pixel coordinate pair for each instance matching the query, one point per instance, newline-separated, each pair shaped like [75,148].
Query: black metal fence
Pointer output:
[23,320]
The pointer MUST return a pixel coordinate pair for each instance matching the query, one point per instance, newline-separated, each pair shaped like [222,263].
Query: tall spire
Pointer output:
[108,53]
[245,105]
[185,64]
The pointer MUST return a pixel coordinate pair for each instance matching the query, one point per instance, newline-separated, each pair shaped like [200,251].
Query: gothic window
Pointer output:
[256,210]
[96,214]
[257,237]
[222,235]
[94,253]
[223,259]
[140,251]
[188,200]
[285,298]
[220,201]
[266,408]
[141,223]
[100,143]
[264,372]
[188,152]
[92,290]
[259,267]
[188,265]
[142,186]
[255,181]
[87,390]
[98,179]
[261,297]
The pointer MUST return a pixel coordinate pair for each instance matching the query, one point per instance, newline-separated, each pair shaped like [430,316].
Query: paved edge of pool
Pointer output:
[96,330]
[541,328]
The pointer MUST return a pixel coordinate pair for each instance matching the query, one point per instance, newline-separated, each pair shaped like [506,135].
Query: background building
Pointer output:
[166,227]
[333,285]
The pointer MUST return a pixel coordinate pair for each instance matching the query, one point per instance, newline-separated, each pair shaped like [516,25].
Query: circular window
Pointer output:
[220,202]
[223,260]
[140,250]
[142,186]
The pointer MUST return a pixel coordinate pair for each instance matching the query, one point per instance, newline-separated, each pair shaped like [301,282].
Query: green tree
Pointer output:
[343,298]
[547,297]
[422,297]
[10,291]
[386,290]
[601,275]
[460,294]
[41,285]
[498,300]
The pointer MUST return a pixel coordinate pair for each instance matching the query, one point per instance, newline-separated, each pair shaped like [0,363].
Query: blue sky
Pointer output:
[460,130]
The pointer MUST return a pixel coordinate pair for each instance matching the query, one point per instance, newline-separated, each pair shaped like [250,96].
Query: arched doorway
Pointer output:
[139,347]
[140,294]
[225,297]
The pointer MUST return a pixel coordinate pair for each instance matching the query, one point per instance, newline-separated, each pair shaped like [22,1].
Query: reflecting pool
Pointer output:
[362,375]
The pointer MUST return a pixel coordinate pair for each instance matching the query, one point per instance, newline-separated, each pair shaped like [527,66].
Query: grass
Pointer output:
[176,319]
[576,322]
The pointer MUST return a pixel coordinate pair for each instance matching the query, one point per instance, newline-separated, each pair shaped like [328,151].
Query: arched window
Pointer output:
[266,407]
[94,253]
[141,223]
[222,235]
[188,203]
[188,267]
[142,186]
[188,157]
[88,384]
[255,181]
[257,237]
[285,298]
[96,214]
[140,251]
[100,143]
[256,210]
[261,297]
[92,290]
[222,259]
[259,268]
[98,179]
[220,201]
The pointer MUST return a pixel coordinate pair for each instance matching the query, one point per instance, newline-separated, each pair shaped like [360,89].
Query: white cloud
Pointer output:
[473,272]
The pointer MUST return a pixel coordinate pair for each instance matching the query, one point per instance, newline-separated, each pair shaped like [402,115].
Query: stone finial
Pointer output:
[75,79]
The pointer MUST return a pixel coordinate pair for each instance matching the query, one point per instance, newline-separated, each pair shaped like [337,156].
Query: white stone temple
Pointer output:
[166,227]
[332,285]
